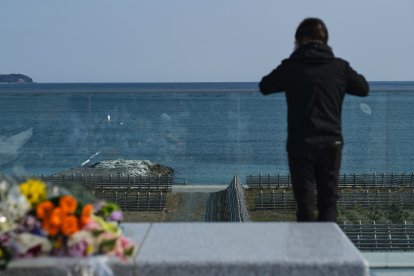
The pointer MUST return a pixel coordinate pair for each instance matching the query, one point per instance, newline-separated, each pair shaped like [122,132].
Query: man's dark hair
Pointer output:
[312,29]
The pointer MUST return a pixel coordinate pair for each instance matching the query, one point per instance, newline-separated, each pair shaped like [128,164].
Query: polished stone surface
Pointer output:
[135,231]
[223,249]
[249,249]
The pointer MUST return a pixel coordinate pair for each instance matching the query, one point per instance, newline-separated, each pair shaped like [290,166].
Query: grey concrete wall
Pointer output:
[231,249]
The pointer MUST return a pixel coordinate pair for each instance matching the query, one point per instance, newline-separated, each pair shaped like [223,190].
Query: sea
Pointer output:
[207,132]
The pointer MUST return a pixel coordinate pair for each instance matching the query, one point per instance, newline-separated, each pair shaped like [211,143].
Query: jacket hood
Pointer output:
[313,52]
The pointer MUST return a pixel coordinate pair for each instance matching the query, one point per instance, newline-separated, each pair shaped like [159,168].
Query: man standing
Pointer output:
[315,82]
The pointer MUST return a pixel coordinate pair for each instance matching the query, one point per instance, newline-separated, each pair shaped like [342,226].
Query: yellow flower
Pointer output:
[90,249]
[24,188]
[34,190]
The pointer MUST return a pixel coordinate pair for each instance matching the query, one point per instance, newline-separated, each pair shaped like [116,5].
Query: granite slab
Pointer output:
[218,249]
[249,249]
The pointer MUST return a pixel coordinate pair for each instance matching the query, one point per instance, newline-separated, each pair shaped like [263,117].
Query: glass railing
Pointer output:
[205,134]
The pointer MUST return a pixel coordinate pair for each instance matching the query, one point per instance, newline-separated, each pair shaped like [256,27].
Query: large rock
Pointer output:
[15,78]
[123,168]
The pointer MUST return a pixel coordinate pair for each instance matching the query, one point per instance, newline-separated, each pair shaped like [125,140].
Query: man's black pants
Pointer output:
[316,163]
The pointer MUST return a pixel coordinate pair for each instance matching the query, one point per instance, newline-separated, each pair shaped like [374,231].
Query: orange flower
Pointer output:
[68,204]
[51,229]
[56,217]
[44,209]
[86,214]
[69,225]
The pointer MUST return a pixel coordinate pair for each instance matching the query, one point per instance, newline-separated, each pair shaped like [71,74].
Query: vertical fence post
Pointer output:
[261,199]
[412,179]
[354,180]
[138,200]
[260,181]
[159,207]
[364,176]
[278,179]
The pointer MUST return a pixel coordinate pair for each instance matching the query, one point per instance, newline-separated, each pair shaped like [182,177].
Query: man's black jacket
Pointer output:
[315,82]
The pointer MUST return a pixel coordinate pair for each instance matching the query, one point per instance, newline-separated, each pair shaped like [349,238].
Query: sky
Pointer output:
[194,40]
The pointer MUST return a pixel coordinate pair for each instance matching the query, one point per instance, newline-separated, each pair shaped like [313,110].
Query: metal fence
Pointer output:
[135,201]
[381,237]
[236,202]
[273,199]
[130,193]
[112,182]
[228,204]
[356,190]
[216,207]
[365,180]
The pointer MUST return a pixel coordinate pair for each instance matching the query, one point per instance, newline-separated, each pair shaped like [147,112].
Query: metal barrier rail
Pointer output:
[216,207]
[365,180]
[236,202]
[283,198]
[130,193]
[110,182]
[381,237]
[134,201]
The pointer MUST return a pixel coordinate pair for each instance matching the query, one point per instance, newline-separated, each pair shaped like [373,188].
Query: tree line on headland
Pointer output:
[14,78]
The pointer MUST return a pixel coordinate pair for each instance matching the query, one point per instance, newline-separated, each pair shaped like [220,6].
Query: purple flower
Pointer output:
[116,216]
[29,224]
[78,249]
[5,239]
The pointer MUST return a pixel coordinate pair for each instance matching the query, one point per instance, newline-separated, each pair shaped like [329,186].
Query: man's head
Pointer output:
[310,30]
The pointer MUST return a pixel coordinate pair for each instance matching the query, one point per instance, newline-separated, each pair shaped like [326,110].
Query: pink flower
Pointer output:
[124,248]
[92,226]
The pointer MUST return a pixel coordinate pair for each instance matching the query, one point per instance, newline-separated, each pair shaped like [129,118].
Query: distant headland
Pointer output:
[14,78]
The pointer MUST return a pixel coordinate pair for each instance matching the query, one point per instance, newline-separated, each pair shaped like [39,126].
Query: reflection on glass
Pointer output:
[206,133]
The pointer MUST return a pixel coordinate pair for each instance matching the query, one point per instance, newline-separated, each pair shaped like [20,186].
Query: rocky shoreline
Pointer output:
[122,167]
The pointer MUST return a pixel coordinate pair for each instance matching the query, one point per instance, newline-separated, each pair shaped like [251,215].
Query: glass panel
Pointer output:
[207,133]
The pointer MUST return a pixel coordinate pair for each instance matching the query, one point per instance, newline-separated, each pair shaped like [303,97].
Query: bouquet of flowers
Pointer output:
[34,222]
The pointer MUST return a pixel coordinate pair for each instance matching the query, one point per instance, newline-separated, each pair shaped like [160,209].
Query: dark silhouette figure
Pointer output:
[315,82]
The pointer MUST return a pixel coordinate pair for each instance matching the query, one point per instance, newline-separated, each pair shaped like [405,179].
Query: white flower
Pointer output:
[5,224]
[4,186]
[81,236]
[13,207]
[16,206]
[27,241]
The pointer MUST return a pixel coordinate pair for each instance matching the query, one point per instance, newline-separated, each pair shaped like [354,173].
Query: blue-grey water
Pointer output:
[206,131]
